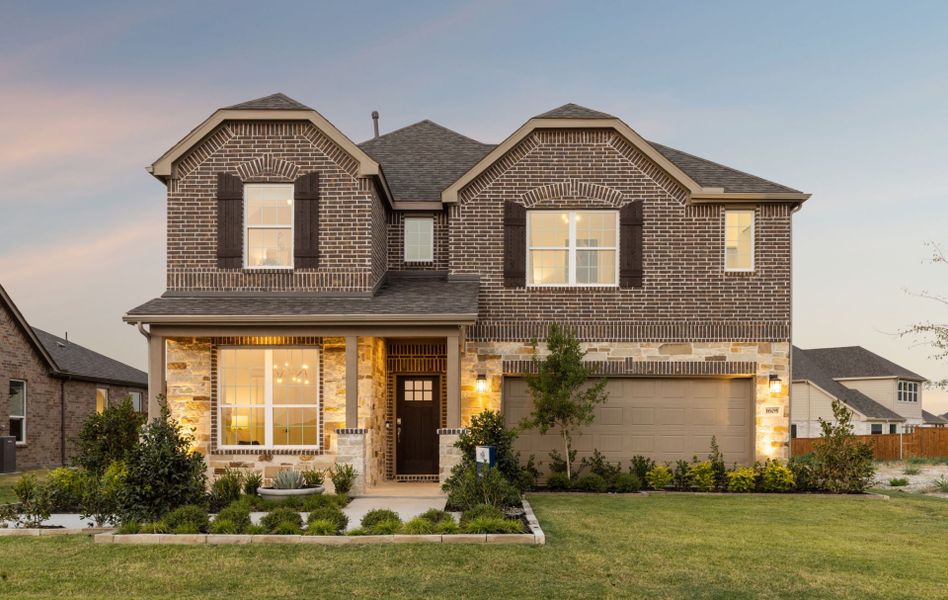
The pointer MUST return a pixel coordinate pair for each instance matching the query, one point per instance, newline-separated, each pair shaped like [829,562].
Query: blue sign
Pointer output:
[485,457]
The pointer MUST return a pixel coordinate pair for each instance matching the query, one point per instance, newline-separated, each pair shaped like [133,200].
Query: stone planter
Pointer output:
[281,495]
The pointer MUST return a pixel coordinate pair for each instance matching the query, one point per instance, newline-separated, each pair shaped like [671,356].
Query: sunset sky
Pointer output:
[849,105]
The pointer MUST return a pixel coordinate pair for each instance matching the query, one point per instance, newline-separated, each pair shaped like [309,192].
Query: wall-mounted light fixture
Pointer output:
[481,385]
[775,384]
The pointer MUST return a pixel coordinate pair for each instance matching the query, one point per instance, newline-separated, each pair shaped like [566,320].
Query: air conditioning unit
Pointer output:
[7,454]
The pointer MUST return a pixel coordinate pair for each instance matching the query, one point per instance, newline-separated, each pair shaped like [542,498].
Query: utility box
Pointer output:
[7,454]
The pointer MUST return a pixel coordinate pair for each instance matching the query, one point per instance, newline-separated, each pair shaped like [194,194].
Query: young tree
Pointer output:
[108,436]
[934,332]
[844,464]
[561,397]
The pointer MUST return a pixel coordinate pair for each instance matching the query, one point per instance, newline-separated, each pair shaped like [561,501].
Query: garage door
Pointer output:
[664,419]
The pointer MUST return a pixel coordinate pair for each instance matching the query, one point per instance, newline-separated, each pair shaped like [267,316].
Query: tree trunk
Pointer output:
[569,474]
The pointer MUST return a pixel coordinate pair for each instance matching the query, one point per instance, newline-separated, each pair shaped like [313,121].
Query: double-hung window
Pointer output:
[268,220]
[908,391]
[136,398]
[268,398]
[18,410]
[419,239]
[739,240]
[876,428]
[572,248]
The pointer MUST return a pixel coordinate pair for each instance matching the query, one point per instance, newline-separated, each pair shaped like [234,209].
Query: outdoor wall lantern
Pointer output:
[775,384]
[481,385]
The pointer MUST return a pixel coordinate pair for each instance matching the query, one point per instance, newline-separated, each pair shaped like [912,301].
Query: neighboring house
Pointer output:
[883,397]
[331,301]
[933,420]
[54,385]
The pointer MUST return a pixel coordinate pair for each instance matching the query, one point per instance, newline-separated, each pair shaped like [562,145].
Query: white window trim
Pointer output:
[23,418]
[131,397]
[245,228]
[571,251]
[268,402]
[430,258]
[881,428]
[911,391]
[753,237]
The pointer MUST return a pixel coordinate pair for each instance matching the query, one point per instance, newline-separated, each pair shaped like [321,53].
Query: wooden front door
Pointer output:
[417,414]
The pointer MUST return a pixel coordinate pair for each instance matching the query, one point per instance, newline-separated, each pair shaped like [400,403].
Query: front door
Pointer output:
[417,418]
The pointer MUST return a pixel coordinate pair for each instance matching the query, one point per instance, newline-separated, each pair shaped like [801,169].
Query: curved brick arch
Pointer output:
[267,166]
[572,188]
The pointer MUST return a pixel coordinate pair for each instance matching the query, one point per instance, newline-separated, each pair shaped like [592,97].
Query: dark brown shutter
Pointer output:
[306,221]
[630,240]
[230,221]
[515,245]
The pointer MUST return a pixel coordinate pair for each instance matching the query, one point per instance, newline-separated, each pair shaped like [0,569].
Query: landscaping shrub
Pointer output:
[108,436]
[941,485]
[129,528]
[100,495]
[591,482]
[481,511]
[161,471]
[466,487]
[702,476]
[911,470]
[288,480]
[154,527]
[8,515]
[598,465]
[898,482]
[313,477]
[641,465]
[775,477]
[343,476]
[492,525]
[237,514]
[287,528]
[321,527]
[742,480]
[436,516]
[386,528]
[718,468]
[379,515]
[65,487]
[448,527]
[418,526]
[358,531]
[225,489]
[488,429]
[187,519]
[224,527]
[34,501]
[803,467]
[843,464]
[252,482]
[558,481]
[254,529]
[659,477]
[681,476]
[627,482]
[332,514]
[272,521]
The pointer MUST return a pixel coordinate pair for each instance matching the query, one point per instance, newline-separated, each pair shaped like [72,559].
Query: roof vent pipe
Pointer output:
[375,122]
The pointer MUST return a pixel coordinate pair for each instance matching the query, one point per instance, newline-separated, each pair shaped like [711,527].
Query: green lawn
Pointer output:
[597,546]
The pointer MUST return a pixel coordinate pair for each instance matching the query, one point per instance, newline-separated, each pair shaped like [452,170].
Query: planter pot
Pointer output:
[281,495]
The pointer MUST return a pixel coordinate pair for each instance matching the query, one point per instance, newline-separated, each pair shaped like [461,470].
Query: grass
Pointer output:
[7,481]
[670,546]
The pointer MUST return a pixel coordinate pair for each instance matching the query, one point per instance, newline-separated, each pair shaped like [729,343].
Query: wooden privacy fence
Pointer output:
[923,442]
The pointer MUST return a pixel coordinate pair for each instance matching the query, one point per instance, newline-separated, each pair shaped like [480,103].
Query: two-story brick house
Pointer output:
[332,301]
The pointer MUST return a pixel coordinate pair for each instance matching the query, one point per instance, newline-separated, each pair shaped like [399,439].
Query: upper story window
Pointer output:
[18,410]
[908,391]
[419,239]
[268,398]
[739,240]
[269,223]
[101,399]
[574,248]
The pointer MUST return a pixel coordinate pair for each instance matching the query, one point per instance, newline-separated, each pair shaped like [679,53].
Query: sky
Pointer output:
[845,100]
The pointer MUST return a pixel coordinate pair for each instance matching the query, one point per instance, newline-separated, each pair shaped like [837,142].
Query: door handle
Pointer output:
[398,433]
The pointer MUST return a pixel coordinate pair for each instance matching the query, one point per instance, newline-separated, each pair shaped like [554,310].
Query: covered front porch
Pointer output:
[386,400]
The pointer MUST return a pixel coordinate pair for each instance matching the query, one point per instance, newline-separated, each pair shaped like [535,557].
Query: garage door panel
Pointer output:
[665,419]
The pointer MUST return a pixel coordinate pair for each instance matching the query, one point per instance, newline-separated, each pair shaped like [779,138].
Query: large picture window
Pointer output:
[269,224]
[739,240]
[268,398]
[574,248]
[18,410]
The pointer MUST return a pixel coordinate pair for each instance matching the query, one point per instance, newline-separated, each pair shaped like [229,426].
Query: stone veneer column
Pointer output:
[352,445]
[448,454]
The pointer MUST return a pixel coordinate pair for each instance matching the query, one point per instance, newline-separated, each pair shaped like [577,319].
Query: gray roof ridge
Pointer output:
[723,166]
[71,344]
[430,122]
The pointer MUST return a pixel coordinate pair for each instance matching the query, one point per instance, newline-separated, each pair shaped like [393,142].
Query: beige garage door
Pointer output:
[664,419]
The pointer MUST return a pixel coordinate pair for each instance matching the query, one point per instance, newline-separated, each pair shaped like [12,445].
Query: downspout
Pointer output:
[62,422]
[142,330]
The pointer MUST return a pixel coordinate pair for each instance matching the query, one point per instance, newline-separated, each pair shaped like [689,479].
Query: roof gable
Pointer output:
[28,332]
[573,111]
[276,101]
[856,361]
[78,361]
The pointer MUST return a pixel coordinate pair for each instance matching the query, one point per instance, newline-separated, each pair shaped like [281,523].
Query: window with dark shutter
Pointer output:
[306,221]
[515,245]
[230,221]
[630,241]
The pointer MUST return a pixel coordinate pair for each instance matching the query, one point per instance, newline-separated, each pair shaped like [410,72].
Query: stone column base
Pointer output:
[448,454]
[351,449]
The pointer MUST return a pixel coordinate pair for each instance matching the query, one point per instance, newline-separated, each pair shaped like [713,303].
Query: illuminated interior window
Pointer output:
[739,240]
[269,223]
[576,248]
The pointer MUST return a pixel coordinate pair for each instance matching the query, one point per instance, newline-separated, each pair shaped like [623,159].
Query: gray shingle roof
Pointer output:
[856,361]
[712,174]
[573,111]
[73,359]
[423,159]
[272,102]
[408,296]
[933,419]
[807,368]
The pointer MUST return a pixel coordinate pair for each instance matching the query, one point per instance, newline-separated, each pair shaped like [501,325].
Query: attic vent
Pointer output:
[60,344]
